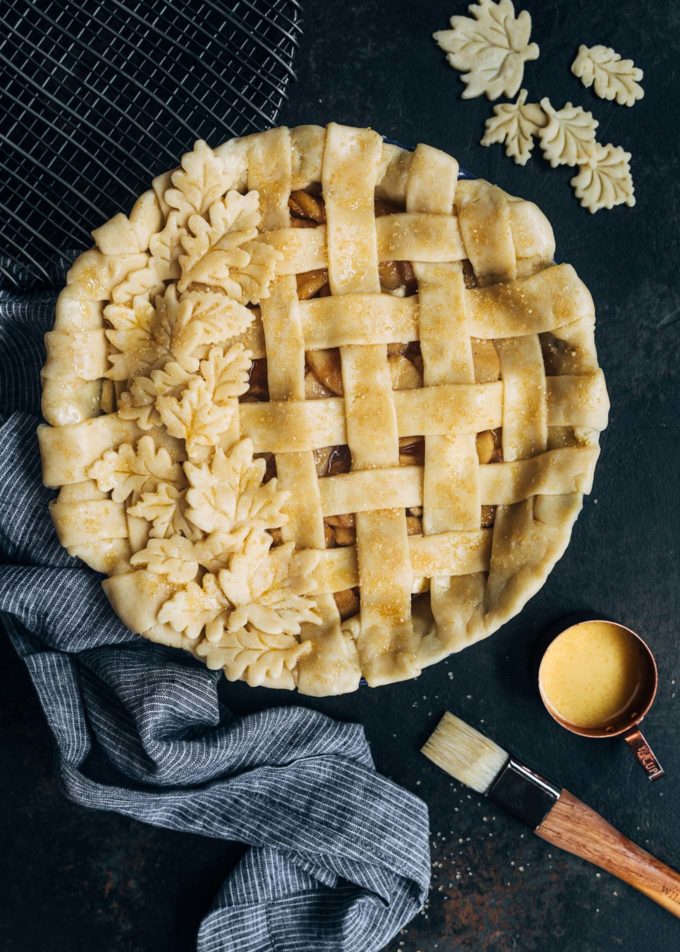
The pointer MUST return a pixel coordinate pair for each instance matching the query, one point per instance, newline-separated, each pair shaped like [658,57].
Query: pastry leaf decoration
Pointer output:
[165,509]
[132,334]
[202,180]
[173,557]
[515,125]
[251,611]
[568,138]
[145,335]
[218,318]
[171,333]
[227,495]
[192,608]
[605,180]
[132,470]
[220,252]
[268,590]
[174,328]
[248,653]
[139,402]
[146,281]
[610,76]
[489,48]
[206,407]
[225,371]
[194,417]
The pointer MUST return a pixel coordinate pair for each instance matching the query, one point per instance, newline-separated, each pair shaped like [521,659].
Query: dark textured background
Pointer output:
[76,880]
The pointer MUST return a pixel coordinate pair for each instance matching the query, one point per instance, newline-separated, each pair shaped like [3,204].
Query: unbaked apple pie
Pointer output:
[320,409]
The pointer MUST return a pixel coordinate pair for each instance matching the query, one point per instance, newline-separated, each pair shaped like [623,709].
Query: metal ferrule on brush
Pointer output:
[525,794]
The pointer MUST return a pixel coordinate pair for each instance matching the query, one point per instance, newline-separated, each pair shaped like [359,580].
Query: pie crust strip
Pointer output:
[386,642]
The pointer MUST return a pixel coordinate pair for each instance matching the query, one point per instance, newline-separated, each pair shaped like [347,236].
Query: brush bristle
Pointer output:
[464,753]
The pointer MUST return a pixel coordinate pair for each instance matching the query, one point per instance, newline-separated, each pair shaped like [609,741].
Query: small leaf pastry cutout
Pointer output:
[267,592]
[133,470]
[220,252]
[568,138]
[173,557]
[194,606]
[605,179]
[205,409]
[515,125]
[139,402]
[248,653]
[610,76]
[146,335]
[202,179]
[165,509]
[227,494]
[489,48]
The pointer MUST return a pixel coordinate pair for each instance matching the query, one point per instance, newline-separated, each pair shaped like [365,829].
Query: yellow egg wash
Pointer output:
[591,673]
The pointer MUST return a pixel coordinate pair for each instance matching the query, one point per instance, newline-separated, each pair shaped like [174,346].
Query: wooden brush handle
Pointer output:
[576,828]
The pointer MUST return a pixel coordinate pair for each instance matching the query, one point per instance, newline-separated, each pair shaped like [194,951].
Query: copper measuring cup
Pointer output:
[626,723]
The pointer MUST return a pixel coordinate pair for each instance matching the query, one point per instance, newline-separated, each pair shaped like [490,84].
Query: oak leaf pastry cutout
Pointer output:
[489,48]
[227,497]
[318,409]
[131,471]
[173,557]
[610,76]
[204,410]
[568,137]
[515,125]
[605,180]
[164,508]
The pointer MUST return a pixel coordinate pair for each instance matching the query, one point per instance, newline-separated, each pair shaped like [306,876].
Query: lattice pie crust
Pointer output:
[319,409]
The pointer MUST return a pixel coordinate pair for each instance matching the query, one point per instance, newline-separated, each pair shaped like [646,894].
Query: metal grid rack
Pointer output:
[98,97]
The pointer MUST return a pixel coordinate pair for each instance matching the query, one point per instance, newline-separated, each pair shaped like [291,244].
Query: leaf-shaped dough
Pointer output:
[207,405]
[173,557]
[214,246]
[129,469]
[251,654]
[145,335]
[610,76]
[190,609]
[147,281]
[202,179]
[194,417]
[133,335]
[605,180]
[174,328]
[569,136]
[139,402]
[492,45]
[254,278]
[265,590]
[165,508]
[226,371]
[218,317]
[515,124]
[227,493]
[213,551]
[123,235]
[165,246]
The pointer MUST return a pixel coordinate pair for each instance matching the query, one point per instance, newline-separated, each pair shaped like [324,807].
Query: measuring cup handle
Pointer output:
[643,753]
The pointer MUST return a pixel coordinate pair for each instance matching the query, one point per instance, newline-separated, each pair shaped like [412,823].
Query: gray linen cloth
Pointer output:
[339,855]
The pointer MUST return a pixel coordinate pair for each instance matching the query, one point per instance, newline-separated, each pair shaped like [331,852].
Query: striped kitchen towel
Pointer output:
[339,855]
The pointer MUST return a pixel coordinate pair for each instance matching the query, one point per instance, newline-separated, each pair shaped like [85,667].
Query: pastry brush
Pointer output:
[552,812]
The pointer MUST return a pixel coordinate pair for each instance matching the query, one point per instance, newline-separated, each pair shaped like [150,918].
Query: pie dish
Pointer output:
[320,409]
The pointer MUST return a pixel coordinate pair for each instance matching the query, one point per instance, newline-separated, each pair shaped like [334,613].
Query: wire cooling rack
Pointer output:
[98,96]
